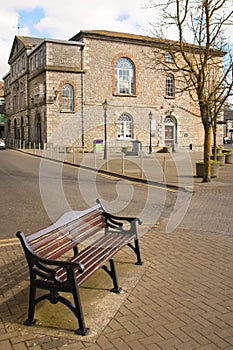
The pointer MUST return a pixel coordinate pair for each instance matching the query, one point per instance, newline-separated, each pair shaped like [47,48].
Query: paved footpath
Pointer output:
[181,299]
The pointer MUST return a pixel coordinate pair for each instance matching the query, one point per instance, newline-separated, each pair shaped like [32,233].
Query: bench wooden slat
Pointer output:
[93,256]
[96,259]
[86,230]
[47,233]
[68,237]
[54,254]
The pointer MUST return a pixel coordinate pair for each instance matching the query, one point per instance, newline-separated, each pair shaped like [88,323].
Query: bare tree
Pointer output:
[202,56]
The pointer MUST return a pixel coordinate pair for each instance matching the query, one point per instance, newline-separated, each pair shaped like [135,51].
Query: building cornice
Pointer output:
[141,40]
[56,69]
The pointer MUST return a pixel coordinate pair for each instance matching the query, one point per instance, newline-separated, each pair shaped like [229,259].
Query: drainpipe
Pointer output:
[82,100]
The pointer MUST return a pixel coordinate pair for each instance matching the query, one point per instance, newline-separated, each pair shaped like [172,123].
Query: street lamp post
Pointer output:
[105,106]
[150,144]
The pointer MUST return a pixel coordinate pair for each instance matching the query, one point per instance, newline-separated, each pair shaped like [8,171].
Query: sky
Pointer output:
[60,19]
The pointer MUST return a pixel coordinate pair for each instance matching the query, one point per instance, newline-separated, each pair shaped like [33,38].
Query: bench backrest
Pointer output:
[70,230]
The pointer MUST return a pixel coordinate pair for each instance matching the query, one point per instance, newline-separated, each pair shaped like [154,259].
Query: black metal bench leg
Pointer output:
[82,330]
[116,288]
[137,251]
[112,273]
[31,309]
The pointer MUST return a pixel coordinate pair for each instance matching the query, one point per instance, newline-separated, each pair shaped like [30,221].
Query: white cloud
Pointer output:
[63,19]
[93,15]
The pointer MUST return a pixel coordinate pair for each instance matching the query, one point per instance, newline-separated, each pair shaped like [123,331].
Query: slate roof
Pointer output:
[105,34]
[29,41]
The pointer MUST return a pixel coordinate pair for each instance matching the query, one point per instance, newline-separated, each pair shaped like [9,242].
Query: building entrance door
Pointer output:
[170,131]
[169,135]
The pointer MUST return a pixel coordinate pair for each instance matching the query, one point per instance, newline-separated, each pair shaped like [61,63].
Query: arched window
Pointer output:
[14,99]
[124,77]
[168,57]
[38,129]
[9,128]
[67,98]
[15,128]
[22,129]
[125,127]
[170,86]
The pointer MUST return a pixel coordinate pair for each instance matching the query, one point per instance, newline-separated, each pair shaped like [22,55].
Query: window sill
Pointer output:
[169,97]
[62,111]
[124,95]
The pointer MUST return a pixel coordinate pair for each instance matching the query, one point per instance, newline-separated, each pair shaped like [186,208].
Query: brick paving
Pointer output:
[182,299]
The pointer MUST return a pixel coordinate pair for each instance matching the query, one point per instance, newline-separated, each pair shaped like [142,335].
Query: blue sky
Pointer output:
[30,18]
[60,19]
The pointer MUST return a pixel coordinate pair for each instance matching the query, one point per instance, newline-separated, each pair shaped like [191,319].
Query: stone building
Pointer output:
[55,93]
[228,118]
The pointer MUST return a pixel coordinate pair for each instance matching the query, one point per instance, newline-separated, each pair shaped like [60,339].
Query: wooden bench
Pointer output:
[93,236]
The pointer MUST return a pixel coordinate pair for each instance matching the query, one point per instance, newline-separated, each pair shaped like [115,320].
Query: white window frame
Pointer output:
[125,127]
[168,57]
[124,77]
[67,98]
[170,85]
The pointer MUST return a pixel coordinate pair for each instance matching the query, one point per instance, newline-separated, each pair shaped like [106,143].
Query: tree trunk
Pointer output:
[206,175]
[214,128]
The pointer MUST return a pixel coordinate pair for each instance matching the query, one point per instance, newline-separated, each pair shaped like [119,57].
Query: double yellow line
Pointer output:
[9,242]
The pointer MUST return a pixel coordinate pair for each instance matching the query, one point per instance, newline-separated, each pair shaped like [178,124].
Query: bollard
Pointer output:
[94,151]
[123,162]
[141,164]
[73,155]
[164,168]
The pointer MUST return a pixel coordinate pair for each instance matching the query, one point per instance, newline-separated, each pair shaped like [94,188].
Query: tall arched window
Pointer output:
[38,129]
[67,98]
[22,129]
[15,128]
[14,99]
[125,127]
[170,86]
[124,77]
[9,129]
[168,57]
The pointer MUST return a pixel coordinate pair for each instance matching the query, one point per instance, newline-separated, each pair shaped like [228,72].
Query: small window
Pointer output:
[124,77]
[168,57]
[67,98]
[31,64]
[23,62]
[170,86]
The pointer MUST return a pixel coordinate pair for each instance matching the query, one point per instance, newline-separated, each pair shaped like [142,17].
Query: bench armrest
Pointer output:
[123,218]
[44,267]
[54,270]
[118,220]
[68,265]
[120,223]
